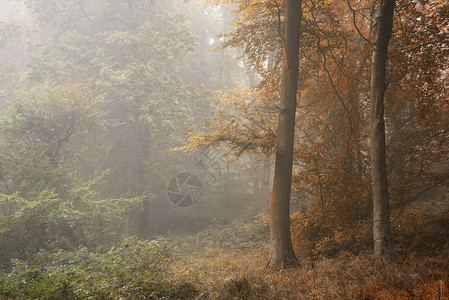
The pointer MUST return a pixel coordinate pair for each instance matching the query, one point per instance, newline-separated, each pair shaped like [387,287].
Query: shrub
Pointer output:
[48,221]
[135,270]
[24,282]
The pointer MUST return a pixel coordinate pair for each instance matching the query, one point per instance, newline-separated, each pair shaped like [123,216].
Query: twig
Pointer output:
[279,27]
[431,187]
[330,79]
[413,49]
[355,24]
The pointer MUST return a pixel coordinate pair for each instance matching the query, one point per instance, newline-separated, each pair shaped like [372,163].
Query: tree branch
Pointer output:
[430,187]
[413,49]
[279,25]
[355,24]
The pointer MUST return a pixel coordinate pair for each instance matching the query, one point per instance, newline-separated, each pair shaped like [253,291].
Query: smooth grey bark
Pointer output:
[383,242]
[282,255]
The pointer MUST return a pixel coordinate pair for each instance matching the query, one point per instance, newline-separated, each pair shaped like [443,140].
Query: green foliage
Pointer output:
[44,202]
[48,221]
[135,270]
[24,282]
[42,138]
[132,57]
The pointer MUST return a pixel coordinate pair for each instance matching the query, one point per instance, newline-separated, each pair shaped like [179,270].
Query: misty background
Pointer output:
[101,95]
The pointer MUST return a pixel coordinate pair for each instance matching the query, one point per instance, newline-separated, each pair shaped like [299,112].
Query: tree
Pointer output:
[44,202]
[331,154]
[258,48]
[418,103]
[331,171]
[43,136]
[282,254]
[251,125]
[383,242]
[134,57]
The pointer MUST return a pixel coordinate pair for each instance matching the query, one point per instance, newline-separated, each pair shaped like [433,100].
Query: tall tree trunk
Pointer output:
[383,243]
[282,254]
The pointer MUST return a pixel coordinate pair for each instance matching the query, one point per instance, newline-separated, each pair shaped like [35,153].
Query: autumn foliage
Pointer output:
[331,162]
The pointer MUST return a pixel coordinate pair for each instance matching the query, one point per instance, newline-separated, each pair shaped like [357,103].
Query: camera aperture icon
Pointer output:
[184,190]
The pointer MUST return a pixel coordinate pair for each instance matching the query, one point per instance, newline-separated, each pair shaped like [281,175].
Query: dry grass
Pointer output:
[230,263]
[237,276]
[232,273]
[360,277]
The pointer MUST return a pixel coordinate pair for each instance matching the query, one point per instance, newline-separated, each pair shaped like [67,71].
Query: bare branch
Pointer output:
[355,24]
[431,187]
[413,49]
[279,25]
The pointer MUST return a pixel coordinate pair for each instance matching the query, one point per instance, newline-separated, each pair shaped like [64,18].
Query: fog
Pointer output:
[138,141]
[100,97]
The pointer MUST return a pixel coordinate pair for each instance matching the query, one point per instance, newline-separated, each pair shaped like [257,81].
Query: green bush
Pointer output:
[135,270]
[25,282]
[48,221]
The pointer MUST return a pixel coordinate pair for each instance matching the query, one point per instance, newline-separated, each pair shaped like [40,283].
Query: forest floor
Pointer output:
[230,262]
[235,273]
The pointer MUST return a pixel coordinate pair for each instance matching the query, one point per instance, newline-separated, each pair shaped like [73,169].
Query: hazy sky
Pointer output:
[10,9]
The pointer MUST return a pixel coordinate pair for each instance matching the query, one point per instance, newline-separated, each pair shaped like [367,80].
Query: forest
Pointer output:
[224,149]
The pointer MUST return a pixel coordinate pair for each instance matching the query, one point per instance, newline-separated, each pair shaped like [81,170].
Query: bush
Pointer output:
[24,282]
[314,235]
[48,221]
[134,270]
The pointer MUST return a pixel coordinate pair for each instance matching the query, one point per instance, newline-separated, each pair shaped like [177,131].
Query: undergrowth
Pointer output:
[339,265]
[230,262]
[134,270]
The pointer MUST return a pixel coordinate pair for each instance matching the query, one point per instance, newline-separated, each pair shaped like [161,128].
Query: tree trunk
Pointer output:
[383,243]
[282,254]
